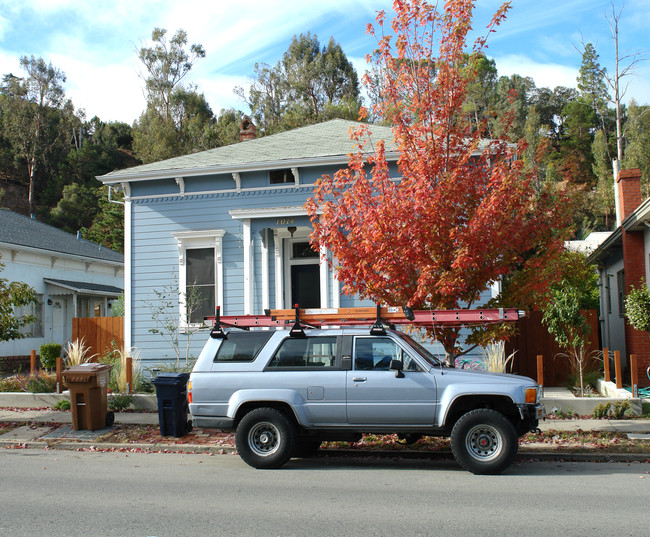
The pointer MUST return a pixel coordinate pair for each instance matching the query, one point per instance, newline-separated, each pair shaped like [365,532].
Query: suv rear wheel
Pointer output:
[483,441]
[265,438]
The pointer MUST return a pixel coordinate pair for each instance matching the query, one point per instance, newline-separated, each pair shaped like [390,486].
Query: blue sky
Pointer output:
[94,41]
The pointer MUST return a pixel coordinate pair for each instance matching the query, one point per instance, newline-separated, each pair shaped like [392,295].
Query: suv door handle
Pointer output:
[359,379]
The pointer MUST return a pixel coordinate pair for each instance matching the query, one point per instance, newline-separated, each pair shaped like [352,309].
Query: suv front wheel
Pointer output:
[484,441]
[265,438]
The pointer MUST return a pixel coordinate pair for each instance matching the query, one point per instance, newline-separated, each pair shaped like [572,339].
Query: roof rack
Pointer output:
[378,317]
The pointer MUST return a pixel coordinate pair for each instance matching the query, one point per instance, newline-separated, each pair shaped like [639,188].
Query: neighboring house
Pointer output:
[623,262]
[231,221]
[72,277]
[588,245]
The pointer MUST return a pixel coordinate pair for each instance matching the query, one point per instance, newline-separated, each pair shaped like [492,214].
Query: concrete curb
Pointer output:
[527,453]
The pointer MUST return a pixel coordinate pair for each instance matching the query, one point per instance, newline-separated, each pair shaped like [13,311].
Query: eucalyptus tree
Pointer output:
[37,119]
[308,85]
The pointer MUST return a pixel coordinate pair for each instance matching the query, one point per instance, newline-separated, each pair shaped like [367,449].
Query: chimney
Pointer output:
[247,130]
[629,193]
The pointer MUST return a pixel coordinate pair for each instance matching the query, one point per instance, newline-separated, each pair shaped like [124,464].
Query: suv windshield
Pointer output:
[424,353]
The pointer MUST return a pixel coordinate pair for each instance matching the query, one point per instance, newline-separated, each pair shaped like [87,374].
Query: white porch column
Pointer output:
[324,280]
[248,266]
[265,271]
[128,280]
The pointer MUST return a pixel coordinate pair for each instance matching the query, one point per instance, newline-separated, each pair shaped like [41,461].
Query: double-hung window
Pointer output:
[200,274]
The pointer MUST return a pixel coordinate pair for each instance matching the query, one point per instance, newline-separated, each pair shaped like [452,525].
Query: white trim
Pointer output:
[199,239]
[181,185]
[300,235]
[248,267]
[267,212]
[128,280]
[223,191]
[266,299]
[278,235]
[324,287]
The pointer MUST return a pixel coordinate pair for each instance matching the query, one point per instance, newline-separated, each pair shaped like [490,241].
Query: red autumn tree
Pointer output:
[463,212]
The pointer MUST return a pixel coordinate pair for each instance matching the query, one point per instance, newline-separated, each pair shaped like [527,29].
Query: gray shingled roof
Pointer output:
[19,230]
[324,140]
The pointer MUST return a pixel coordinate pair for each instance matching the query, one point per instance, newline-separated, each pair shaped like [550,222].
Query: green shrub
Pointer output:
[615,409]
[63,404]
[602,411]
[119,401]
[619,408]
[49,353]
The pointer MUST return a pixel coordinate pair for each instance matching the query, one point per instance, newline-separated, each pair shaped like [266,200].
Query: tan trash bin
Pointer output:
[88,384]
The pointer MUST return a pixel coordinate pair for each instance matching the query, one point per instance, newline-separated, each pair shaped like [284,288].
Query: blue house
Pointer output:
[230,222]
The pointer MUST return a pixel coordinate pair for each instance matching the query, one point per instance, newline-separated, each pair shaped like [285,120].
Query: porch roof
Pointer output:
[84,288]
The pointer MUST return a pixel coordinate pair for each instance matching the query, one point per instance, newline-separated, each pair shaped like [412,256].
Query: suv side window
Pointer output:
[375,353]
[310,352]
[242,346]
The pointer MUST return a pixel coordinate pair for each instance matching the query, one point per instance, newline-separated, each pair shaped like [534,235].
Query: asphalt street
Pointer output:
[47,492]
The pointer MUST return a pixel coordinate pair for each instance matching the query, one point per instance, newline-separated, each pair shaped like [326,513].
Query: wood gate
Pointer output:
[99,333]
[533,338]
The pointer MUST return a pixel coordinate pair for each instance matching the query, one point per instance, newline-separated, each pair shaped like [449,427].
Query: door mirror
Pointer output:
[397,366]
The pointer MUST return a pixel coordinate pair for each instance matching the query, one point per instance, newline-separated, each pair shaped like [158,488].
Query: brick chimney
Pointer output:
[634,253]
[247,131]
[628,184]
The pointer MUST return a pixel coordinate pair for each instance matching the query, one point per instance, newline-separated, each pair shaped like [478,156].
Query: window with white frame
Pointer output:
[35,309]
[200,274]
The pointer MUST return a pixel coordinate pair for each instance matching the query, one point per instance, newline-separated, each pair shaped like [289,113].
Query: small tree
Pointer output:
[569,327]
[13,295]
[465,211]
[175,330]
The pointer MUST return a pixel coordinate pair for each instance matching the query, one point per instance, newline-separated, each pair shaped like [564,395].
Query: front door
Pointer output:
[303,272]
[305,286]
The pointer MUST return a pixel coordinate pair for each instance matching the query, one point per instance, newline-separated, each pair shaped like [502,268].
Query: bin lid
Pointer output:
[89,366]
[85,372]
[170,379]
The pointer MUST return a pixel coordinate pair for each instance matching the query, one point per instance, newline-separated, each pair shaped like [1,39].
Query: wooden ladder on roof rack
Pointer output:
[378,317]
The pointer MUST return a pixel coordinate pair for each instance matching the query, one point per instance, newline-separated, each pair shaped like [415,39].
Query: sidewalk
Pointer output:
[638,426]
[51,429]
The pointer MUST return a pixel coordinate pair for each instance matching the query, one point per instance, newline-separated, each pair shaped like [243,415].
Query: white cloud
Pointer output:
[545,75]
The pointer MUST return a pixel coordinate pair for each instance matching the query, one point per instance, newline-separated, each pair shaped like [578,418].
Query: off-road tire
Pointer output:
[265,438]
[484,442]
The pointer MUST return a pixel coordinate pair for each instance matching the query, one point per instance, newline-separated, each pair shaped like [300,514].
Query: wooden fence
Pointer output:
[533,339]
[99,333]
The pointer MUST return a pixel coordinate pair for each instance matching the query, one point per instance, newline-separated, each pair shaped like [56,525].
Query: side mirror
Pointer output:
[397,366]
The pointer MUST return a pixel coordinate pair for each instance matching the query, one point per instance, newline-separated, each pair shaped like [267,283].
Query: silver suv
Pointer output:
[284,393]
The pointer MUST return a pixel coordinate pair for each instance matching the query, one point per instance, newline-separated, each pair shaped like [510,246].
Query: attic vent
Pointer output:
[281,176]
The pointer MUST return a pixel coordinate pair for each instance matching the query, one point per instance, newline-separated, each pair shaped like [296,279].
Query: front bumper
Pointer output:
[531,414]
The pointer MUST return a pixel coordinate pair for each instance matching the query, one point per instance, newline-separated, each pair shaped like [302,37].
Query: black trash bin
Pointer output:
[171,390]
